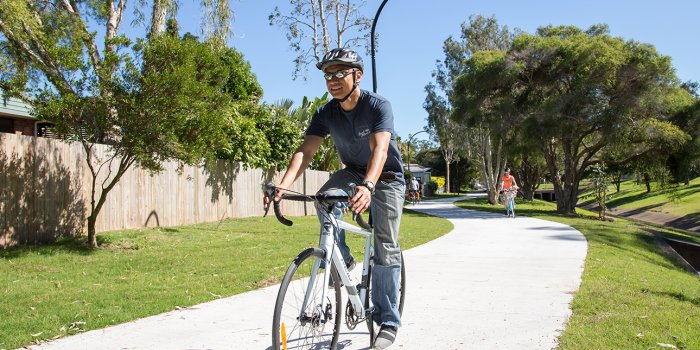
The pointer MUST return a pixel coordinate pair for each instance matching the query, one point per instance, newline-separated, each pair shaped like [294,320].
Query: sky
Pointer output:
[412,32]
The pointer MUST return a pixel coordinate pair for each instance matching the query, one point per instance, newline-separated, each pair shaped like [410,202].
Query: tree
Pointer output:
[443,130]
[310,19]
[149,100]
[600,189]
[483,100]
[484,145]
[260,137]
[685,163]
[584,89]
[528,163]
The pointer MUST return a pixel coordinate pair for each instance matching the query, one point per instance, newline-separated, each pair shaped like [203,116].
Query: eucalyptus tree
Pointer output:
[585,90]
[480,142]
[314,27]
[150,100]
[484,99]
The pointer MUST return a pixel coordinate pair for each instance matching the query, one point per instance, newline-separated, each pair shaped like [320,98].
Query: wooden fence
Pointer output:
[45,192]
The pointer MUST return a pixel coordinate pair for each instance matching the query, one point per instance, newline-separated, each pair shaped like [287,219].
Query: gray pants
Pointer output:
[386,208]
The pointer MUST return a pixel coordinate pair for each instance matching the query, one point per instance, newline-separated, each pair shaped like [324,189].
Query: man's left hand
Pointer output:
[361,200]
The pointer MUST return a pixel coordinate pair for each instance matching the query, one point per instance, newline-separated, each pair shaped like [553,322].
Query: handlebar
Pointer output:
[271,191]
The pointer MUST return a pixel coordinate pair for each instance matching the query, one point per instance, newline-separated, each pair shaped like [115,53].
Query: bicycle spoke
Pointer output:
[317,325]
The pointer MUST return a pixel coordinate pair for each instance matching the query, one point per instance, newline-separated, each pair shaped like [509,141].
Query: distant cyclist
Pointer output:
[413,188]
[507,181]
[361,124]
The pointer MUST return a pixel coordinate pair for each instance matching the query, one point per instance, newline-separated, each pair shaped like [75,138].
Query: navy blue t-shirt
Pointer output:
[350,131]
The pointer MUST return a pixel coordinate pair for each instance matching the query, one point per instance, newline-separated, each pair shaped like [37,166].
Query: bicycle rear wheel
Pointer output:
[318,325]
[402,296]
[511,206]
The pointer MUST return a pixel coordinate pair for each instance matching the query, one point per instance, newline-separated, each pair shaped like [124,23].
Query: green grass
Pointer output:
[631,296]
[48,291]
[679,200]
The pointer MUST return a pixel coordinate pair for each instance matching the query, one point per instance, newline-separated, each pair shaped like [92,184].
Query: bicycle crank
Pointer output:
[351,320]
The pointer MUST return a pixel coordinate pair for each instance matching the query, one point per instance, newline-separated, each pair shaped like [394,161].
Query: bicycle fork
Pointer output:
[334,256]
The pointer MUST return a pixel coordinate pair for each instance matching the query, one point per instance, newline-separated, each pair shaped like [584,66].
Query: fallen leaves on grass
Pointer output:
[74,327]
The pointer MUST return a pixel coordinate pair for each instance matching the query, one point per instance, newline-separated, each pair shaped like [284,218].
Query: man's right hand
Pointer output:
[277,195]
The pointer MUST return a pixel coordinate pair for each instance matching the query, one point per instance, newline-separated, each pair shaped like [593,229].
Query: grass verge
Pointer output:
[632,296]
[678,200]
[63,289]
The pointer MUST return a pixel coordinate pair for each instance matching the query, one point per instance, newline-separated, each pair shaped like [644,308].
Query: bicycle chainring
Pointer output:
[351,320]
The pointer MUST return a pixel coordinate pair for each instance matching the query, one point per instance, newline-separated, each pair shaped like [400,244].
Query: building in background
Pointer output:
[16,118]
[421,173]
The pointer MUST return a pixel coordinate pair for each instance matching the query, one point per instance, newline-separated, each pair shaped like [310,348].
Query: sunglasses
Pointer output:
[339,74]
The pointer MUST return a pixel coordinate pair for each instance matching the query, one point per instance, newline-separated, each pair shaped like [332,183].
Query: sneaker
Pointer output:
[386,337]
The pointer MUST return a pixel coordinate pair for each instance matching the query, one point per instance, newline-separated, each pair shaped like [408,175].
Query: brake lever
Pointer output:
[270,191]
[357,217]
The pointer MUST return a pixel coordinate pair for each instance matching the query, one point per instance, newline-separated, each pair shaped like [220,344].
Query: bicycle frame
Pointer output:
[510,195]
[333,256]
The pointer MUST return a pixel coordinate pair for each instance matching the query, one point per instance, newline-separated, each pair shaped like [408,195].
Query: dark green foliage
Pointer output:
[242,83]
[177,110]
[260,138]
[156,100]
[579,93]
[685,163]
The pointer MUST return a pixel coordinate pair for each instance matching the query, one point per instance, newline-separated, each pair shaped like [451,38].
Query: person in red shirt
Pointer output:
[507,181]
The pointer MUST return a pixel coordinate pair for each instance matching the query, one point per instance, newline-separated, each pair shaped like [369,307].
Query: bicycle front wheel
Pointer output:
[315,325]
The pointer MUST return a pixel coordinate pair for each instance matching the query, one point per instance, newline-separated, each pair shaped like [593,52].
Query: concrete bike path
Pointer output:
[492,283]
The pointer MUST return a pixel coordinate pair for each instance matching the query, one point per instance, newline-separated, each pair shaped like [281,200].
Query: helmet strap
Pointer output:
[354,86]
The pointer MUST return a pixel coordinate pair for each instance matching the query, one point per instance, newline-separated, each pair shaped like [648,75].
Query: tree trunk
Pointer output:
[647,182]
[618,181]
[490,168]
[448,154]
[566,186]
[92,234]
[447,177]
[160,10]
[528,177]
[567,198]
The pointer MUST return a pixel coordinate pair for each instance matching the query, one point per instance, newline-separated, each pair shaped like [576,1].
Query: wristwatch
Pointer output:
[369,185]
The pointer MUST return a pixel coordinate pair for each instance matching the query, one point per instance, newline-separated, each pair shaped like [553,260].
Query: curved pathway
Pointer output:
[492,283]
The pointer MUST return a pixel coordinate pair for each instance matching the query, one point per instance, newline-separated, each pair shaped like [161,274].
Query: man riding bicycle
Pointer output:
[361,124]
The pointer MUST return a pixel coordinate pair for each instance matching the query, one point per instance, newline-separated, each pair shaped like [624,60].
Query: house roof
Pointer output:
[416,168]
[14,107]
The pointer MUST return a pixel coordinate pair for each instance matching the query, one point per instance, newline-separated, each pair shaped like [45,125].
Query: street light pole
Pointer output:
[410,137]
[374,25]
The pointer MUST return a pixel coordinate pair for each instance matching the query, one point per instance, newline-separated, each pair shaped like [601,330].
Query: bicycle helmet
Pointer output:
[341,56]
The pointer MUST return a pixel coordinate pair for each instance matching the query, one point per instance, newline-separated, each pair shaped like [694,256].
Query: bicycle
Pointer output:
[510,194]
[413,197]
[305,306]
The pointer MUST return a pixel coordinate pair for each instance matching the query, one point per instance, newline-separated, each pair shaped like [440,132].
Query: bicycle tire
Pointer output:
[402,296]
[308,333]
